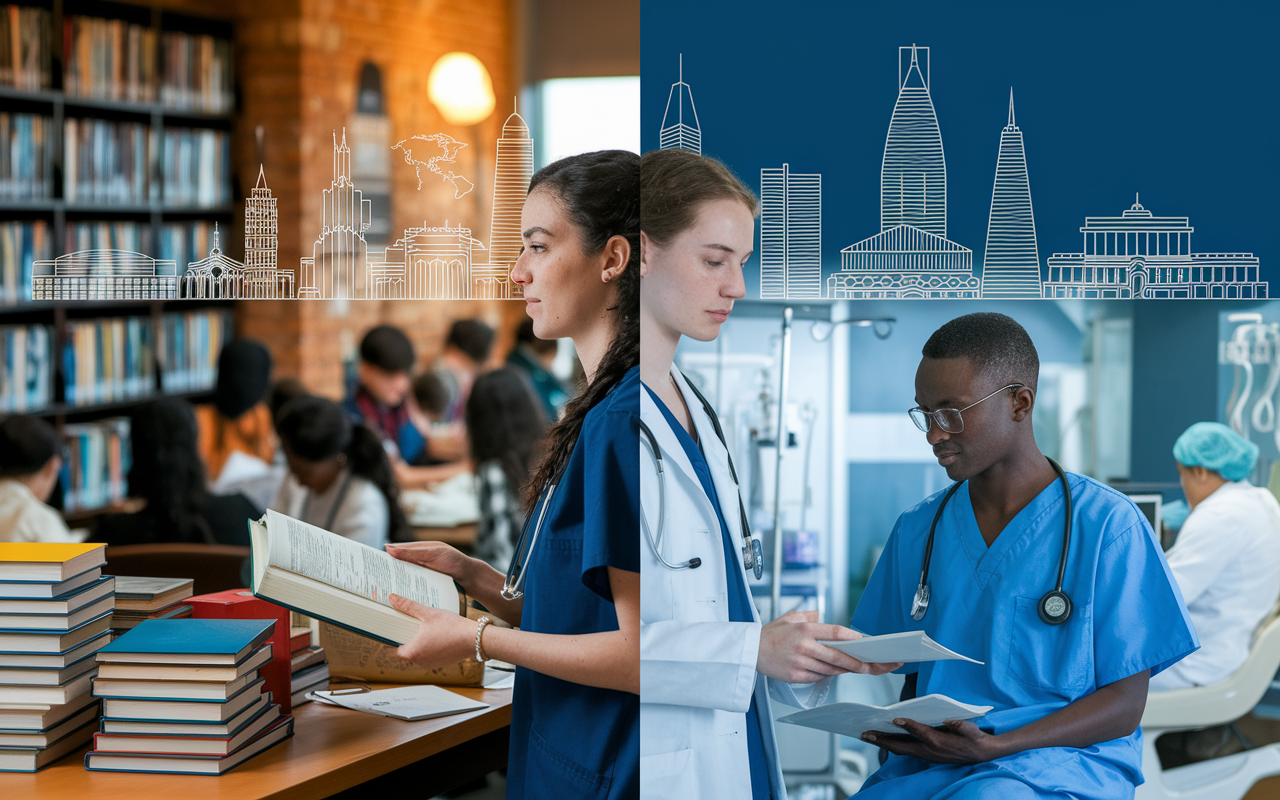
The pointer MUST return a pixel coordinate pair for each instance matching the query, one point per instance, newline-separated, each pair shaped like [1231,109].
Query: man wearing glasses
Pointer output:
[1065,598]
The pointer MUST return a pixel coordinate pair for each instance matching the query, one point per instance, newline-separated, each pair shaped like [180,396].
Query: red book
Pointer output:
[300,640]
[241,604]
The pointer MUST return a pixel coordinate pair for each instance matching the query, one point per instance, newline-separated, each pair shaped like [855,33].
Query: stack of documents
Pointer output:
[184,696]
[55,613]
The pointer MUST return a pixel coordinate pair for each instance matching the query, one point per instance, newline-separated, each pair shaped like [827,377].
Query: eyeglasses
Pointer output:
[949,419]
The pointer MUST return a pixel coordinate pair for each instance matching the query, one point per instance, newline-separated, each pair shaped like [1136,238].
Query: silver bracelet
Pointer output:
[483,621]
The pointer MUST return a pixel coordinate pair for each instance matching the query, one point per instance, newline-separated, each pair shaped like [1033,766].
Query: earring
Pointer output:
[606,278]
[342,458]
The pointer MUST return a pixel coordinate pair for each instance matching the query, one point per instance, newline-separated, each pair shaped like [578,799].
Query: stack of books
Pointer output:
[55,614]
[184,696]
[105,161]
[139,599]
[188,345]
[308,667]
[109,59]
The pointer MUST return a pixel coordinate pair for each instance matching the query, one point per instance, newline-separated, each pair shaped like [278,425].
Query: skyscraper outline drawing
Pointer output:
[679,135]
[512,170]
[913,170]
[263,279]
[1011,260]
[790,234]
[340,252]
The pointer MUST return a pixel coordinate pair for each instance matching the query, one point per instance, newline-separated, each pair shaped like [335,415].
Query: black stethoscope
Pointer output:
[752,551]
[1055,606]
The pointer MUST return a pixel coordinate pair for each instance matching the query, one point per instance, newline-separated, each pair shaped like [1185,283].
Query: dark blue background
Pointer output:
[1175,100]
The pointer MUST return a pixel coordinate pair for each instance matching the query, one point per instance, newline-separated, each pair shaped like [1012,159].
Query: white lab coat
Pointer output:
[1227,564]
[697,669]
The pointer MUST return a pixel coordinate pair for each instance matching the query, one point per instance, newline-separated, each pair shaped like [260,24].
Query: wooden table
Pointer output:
[464,535]
[332,750]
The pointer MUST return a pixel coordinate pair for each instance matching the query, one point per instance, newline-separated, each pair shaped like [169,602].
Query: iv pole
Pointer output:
[781,441]
[781,431]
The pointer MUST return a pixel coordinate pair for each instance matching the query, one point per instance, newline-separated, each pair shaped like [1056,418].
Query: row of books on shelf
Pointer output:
[112,59]
[26,379]
[108,162]
[26,169]
[21,243]
[95,471]
[26,48]
[106,360]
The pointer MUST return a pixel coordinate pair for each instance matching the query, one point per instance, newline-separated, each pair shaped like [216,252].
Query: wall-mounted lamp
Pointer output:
[461,89]
[882,327]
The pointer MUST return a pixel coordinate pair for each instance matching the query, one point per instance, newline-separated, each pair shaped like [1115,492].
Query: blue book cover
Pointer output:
[226,637]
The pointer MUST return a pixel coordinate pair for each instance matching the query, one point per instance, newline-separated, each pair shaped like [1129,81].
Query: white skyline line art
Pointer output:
[512,171]
[461,186]
[104,274]
[340,251]
[217,276]
[911,256]
[263,279]
[913,171]
[426,263]
[790,234]
[1138,255]
[1011,260]
[680,132]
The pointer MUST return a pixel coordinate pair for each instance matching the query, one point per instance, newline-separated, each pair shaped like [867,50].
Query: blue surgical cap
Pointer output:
[1214,446]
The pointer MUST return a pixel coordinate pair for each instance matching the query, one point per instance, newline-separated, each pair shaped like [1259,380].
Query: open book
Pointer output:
[855,719]
[907,648]
[324,575]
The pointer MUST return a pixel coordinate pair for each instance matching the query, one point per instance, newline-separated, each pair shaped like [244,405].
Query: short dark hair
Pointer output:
[472,337]
[26,445]
[431,393]
[995,343]
[387,348]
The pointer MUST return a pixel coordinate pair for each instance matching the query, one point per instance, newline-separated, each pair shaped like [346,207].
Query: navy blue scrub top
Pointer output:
[570,740]
[739,597]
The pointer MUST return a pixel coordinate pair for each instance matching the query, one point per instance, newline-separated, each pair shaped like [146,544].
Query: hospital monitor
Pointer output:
[1149,505]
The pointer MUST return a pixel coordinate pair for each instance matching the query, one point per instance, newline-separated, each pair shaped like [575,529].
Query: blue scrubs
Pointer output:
[570,740]
[739,597]
[1128,616]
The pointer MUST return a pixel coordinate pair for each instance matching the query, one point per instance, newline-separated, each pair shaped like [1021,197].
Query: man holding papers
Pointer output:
[1066,627]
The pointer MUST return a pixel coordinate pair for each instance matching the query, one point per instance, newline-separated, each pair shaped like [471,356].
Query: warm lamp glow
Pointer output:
[460,87]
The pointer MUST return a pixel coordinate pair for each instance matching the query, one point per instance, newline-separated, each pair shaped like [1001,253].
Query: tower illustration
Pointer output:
[680,129]
[262,278]
[790,234]
[512,170]
[913,174]
[339,253]
[1011,266]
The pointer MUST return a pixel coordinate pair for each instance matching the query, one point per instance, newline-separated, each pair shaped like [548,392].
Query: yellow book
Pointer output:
[48,561]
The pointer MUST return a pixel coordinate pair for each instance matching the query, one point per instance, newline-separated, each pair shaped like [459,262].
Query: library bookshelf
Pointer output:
[115,128]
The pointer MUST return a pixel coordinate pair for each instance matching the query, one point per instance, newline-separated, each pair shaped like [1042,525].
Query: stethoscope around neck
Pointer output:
[1054,607]
[752,551]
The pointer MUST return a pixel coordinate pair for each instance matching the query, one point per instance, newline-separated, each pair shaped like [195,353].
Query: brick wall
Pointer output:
[298,64]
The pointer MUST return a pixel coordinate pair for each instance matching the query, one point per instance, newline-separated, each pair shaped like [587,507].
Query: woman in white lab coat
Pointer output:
[706,728]
[1227,556]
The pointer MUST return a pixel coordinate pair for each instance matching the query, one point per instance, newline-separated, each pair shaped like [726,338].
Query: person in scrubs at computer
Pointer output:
[1227,555]
[575,718]
[1066,662]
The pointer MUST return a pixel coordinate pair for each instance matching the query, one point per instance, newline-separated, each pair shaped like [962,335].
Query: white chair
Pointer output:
[1229,777]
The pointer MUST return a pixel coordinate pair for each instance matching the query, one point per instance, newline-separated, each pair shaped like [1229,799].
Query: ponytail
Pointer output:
[601,192]
[367,459]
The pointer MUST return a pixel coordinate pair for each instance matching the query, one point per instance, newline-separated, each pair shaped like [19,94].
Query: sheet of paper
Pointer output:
[907,648]
[316,553]
[855,719]
[407,702]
